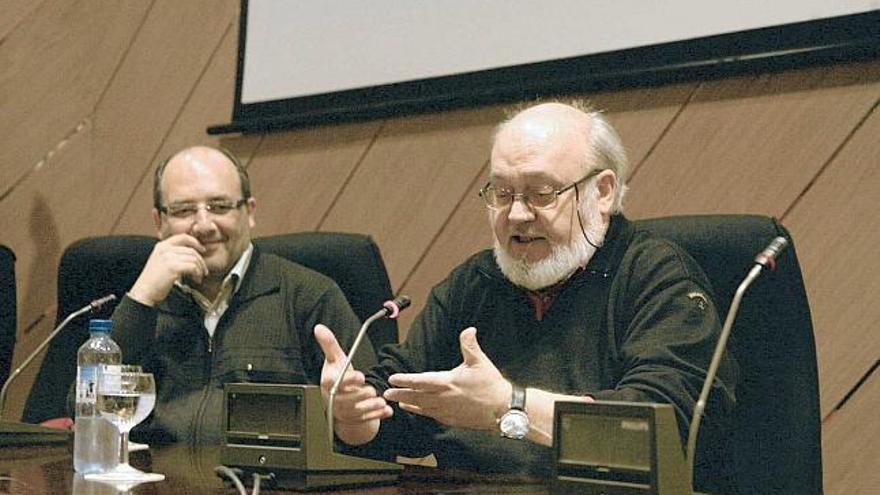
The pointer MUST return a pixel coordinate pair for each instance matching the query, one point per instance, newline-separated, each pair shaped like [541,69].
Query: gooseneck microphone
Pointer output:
[767,257]
[390,309]
[96,304]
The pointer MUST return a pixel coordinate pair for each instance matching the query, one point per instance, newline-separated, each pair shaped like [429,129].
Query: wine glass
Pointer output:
[125,398]
[118,368]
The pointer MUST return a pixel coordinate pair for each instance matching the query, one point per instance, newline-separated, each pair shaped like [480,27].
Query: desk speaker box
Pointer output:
[618,448]
[282,429]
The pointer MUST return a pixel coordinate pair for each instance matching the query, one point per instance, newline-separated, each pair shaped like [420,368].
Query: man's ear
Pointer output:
[157,222]
[606,183]
[251,207]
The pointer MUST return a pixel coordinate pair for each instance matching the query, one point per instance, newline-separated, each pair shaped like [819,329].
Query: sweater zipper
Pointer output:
[200,412]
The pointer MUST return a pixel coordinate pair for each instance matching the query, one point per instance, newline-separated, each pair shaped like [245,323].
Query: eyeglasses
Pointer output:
[500,198]
[216,207]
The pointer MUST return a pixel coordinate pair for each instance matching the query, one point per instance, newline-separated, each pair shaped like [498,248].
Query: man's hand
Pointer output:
[177,256]
[471,395]
[357,408]
[60,423]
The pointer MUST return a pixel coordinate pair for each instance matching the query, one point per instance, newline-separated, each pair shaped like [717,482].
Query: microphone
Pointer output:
[96,304]
[770,253]
[390,309]
[765,258]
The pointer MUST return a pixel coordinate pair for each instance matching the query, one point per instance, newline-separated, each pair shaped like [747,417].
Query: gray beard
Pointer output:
[563,260]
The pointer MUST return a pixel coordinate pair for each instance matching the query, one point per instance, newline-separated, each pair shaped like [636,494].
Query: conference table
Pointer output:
[190,470]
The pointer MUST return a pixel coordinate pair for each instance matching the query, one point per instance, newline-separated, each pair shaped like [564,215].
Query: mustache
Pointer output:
[526,233]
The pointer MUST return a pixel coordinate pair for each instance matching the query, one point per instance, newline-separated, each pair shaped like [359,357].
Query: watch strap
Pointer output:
[518,398]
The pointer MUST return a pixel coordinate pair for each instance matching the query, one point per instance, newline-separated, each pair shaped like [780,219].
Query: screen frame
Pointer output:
[831,40]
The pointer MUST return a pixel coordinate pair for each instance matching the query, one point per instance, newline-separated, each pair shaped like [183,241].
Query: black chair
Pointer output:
[94,267]
[7,311]
[775,438]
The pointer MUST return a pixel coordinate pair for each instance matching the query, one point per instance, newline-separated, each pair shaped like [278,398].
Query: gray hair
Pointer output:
[603,143]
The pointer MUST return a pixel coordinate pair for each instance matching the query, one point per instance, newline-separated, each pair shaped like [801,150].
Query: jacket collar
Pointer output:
[260,278]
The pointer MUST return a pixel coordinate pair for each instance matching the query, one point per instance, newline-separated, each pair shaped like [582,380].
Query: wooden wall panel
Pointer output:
[466,233]
[56,62]
[297,175]
[152,85]
[752,144]
[837,232]
[642,115]
[410,182]
[13,14]
[209,103]
[850,448]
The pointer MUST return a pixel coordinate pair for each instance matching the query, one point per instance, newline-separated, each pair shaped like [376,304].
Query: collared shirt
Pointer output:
[542,299]
[214,309]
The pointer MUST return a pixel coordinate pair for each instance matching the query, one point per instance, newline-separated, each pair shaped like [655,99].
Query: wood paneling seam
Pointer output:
[119,63]
[148,169]
[256,150]
[83,124]
[469,190]
[830,160]
[12,29]
[852,391]
[351,173]
[665,131]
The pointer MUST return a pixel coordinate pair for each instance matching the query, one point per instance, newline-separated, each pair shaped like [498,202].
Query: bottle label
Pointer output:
[86,384]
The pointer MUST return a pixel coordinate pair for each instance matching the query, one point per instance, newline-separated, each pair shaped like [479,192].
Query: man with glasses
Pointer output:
[571,304]
[209,308]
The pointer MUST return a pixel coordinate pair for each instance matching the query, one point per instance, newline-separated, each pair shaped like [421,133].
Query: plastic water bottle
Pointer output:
[95,440]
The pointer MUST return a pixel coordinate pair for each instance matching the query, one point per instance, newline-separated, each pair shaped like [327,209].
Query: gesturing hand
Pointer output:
[175,257]
[471,395]
[357,408]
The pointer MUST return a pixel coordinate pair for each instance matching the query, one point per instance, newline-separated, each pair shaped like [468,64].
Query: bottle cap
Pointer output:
[105,326]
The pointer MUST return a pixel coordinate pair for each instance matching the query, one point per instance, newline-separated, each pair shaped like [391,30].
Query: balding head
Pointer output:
[567,128]
[541,124]
[206,154]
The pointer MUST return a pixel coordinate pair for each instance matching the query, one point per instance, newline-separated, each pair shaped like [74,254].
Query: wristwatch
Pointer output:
[515,422]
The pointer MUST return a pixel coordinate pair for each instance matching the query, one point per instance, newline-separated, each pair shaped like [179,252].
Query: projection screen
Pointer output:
[312,62]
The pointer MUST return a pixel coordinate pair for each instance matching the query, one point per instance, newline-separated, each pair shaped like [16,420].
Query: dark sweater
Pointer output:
[629,327]
[266,335]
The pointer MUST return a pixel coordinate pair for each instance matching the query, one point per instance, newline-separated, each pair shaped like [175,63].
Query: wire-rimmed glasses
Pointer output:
[499,198]
[216,207]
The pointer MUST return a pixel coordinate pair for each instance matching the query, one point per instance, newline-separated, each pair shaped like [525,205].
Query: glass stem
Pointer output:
[123,445]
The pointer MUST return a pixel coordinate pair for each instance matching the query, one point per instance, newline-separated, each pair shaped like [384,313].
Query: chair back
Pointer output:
[775,439]
[97,266]
[7,311]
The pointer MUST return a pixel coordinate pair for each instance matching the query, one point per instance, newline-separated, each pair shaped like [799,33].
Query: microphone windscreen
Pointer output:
[402,302]
[393,308]
[97,303]
[768,256]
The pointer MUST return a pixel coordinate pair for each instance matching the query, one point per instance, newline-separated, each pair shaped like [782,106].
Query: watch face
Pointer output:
[514,424]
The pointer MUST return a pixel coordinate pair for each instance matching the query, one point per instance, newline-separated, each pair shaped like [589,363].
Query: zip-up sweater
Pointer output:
[637,324]
[266,335]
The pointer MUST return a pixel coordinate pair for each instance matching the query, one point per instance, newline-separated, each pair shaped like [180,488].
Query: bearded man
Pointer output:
[571,304]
